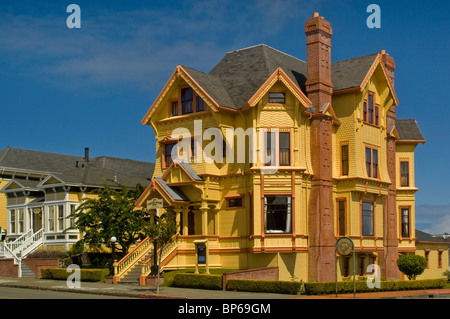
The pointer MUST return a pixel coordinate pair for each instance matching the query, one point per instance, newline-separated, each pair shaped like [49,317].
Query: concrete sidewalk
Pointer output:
[135,291]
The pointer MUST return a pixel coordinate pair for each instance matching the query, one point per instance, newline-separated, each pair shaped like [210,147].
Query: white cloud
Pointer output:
[433,219]
[139,48]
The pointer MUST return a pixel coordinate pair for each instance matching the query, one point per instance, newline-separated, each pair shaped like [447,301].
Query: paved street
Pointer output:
[23,293]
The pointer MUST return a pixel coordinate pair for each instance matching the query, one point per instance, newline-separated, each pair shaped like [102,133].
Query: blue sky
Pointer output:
[65,89]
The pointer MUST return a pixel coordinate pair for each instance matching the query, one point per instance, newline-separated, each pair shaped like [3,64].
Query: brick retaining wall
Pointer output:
[266,273]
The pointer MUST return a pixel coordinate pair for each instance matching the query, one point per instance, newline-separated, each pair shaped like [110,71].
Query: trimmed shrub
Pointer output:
[47,254]
[274,286]
[93,275]
[411,265]
[199,281]
[322,288]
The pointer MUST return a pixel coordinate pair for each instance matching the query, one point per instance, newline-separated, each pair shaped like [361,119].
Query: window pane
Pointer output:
[365,111]
[404,173]
[174,106]
[341,218]
[277,214]
[51,218]
[344,159]
[368,161]
[375,163]
[367,219]
[12,219]
[168,153]
[376,114]
[277,97]
[370,109]
[285,148]
[187,96]
[60,217]
[200,104]
[235,202]
[405,222]
[270,148]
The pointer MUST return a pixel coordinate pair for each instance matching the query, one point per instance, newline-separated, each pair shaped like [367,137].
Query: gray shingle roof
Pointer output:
[350,73]
[425,237]
[127,172]
[237,77]
[174,192]
[96,176]
[242,72]
[36,161]
[408,130]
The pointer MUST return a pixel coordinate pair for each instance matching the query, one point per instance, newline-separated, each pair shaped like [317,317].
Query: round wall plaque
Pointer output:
[344,246]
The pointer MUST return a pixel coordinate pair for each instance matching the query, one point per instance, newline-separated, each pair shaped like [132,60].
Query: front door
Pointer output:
[37,219]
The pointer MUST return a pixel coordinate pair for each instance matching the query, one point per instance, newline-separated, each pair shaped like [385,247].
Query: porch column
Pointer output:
[185,220]
[178,211]
[204,209]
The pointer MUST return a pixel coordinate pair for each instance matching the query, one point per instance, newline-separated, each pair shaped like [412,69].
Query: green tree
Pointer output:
[411,265]
[161,229]
[111,213]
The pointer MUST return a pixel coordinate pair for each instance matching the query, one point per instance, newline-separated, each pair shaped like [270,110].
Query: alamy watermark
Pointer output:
[73,20]
[74,280]
[234,145]
[374,19]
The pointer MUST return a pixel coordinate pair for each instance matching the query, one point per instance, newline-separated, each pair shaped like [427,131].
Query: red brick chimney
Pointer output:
[388,257]
[318,58]
[319,89]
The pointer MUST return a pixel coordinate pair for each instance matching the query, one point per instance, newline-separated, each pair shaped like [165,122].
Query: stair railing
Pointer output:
[167,249]
[123,265]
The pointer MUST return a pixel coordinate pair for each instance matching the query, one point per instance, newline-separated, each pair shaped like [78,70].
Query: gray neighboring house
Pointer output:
[40,189]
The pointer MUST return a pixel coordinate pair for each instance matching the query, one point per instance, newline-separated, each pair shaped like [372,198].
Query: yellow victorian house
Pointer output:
[267,160]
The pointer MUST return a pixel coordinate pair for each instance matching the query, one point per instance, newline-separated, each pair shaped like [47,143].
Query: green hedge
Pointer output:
[322,288]
[274,286]
[93,275]
[199,281]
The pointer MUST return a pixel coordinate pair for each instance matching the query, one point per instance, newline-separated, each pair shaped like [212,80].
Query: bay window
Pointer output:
[278,214]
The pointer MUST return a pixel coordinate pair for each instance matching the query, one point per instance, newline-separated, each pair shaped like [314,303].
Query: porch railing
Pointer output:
[23,245]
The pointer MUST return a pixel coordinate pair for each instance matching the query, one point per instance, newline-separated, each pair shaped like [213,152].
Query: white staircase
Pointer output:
[21,247]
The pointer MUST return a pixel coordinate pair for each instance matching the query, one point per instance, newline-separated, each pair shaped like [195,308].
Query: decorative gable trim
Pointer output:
[378,62]
[279,75]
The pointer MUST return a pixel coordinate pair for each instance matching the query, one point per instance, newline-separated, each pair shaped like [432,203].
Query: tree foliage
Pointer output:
[411,265]
[111,213]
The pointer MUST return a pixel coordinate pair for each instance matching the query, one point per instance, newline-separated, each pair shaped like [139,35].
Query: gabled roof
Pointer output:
[186,168]
[408,131]
[238,77]
[15,185]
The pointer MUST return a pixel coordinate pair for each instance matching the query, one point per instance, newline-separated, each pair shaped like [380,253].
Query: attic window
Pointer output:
[187,96]
[188,102]
[277,97]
